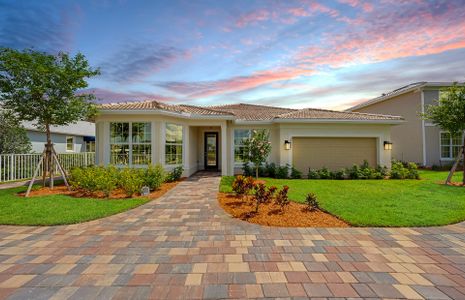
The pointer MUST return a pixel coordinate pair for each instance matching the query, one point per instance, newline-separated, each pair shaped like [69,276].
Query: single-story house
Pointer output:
[79,137]
[415,140]
[138,133]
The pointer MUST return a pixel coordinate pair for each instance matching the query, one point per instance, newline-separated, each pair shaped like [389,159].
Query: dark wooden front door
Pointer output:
[211,150]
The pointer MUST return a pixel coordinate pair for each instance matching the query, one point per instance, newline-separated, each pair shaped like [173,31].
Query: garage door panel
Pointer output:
[333,153]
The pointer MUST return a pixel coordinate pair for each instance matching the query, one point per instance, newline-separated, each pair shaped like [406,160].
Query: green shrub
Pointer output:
[247,170]
[282,172]
[341,174]
[398,171]
[106,179]
[130,180]
[312,202]
[83,178]
[281,197]
[295,174]
[154,176]
[324,173]
[413,171]
[270,170]
[313,174]
[175,174]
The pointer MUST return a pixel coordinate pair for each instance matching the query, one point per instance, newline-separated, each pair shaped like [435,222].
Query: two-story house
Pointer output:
[415,140]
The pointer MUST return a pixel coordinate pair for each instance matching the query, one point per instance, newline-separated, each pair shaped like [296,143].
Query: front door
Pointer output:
[211,150]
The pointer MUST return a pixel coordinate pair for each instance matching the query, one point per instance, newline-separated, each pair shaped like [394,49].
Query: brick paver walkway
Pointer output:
[184,246]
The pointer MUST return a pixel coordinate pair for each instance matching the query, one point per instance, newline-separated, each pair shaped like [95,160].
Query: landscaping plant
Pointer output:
[295,174]
[247,170]
[239,186]
[257,148]
[106,179]
[282,172]
[312,202]
[262,195]
[175,174]
[130,180]
[270,170]
[282,198]
[154,176]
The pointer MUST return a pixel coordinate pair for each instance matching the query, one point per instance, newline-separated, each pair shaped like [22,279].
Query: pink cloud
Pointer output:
[298,12]
[253,18]
[234,84]
[318,7]
[107,96]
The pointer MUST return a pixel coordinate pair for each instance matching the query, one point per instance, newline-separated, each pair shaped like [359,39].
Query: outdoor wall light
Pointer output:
[387,145]
[287,145]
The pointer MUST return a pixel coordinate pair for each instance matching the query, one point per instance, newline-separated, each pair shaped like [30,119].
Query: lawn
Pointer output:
[58,209]
[424,202]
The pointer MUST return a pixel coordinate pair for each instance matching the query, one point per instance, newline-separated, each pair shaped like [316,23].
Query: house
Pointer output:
[79,137]
[415,140]
[138,133]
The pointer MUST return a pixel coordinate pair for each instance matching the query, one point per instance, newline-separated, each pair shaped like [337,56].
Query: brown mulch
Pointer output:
[456,184]
[294,215]
[115,194]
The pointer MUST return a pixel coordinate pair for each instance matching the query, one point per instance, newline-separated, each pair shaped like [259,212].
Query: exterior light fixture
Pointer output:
[287,145]
[387,145]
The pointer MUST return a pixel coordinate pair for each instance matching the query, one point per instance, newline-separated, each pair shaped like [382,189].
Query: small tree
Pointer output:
[258,147]
[449,114]
[40,87]
[13,136]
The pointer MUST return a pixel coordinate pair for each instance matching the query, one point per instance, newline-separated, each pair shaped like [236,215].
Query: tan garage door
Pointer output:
[333,153]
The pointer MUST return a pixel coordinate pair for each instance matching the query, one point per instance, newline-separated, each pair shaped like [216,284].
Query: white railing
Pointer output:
[21,166]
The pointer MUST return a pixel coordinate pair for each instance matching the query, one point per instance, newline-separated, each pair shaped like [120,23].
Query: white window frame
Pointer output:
[237,146]
[130,144]
[450,146]
[73,143]
[88,143]
[182,144]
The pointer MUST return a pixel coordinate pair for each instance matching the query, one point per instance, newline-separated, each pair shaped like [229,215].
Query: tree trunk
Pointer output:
[256,172]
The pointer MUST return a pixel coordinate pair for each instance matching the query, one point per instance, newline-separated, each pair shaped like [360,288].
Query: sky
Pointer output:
[302,53]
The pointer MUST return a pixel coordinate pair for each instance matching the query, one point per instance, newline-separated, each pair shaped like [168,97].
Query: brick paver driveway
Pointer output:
[184,246]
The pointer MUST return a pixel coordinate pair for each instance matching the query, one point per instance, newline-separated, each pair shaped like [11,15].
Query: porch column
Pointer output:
[224,150]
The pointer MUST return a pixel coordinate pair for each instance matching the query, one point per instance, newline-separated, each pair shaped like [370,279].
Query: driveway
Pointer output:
[184,246]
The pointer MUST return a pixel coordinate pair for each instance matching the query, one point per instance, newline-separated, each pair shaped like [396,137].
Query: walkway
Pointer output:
[184,246]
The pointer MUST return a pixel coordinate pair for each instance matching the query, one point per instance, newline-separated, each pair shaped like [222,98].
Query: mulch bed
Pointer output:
[115,194]
[294,215]
[455,184]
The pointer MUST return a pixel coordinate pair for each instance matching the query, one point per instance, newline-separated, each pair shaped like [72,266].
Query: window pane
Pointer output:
[445,139]
[141,154]
[69,144]
[457,140]
[119,154]
[241,135]
[445,151]
[239,154]
[119,133]
[173,133]
[141,133]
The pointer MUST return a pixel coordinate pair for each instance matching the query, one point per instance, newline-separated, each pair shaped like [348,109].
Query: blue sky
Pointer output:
[304,53]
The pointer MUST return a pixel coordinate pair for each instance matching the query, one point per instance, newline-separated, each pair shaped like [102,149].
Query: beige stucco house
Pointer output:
[197,138]
[415,140]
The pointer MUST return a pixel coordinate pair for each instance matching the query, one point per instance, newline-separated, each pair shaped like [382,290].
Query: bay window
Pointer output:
[450,145]
[173,144]
[130,143]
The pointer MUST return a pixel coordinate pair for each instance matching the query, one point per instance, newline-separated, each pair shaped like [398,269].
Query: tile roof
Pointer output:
[312,113]
[250,112]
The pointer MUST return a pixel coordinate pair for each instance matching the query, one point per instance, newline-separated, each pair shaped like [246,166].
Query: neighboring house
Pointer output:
[197,138]
[415,140]
[79,137]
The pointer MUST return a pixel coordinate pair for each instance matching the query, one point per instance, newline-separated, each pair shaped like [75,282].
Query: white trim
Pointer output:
[183,145]
[73,144]
[423,130]
[450,146]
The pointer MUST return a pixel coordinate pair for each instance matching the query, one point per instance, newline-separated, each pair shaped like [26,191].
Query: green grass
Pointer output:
[425,202]
[58,209]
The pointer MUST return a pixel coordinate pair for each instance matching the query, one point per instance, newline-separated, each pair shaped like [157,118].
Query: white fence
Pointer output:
[21,166]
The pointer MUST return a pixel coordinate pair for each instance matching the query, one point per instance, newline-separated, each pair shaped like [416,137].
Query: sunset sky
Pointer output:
[324,54]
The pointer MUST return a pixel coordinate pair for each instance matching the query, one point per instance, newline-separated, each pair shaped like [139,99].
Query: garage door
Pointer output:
[333,153]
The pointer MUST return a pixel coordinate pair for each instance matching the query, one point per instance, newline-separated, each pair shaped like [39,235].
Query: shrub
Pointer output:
[154,176]
[313,174]
[239,186]
[83,178]
[130,180]
[270,170]
[295,174]
[262,195]
[312,202]
[324,173]
[247,170]
[281,197]
[282,172]
[341,174]
[106,179]
[398,171]
[175,174]
[412,171]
